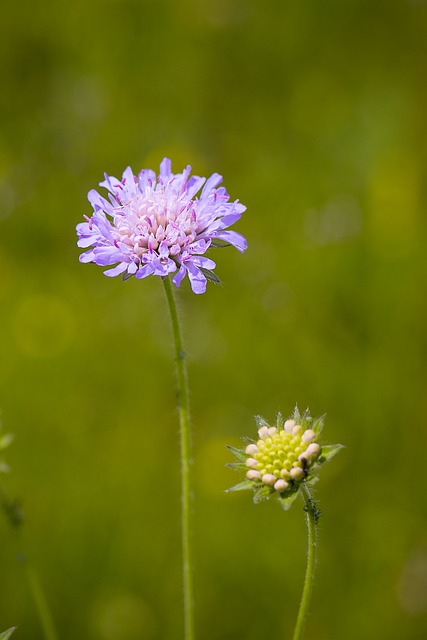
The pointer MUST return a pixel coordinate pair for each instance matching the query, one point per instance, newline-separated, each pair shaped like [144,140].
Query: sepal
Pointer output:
[210,275]
[242,486]
[329,451]
[237,453]
[262,493]
[239,466]
[219,244]
[287,500]
[261,422]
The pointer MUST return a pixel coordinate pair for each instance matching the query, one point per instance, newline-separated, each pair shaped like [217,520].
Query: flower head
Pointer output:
[157,225]
[283,457]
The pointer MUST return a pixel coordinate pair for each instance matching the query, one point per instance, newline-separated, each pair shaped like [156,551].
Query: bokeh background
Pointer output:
[315,113]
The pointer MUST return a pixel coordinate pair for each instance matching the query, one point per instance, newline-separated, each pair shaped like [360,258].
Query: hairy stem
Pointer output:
[313,514]
[183,402]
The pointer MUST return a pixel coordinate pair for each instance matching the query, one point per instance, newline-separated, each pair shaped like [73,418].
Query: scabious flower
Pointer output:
[283,457]
[156,225]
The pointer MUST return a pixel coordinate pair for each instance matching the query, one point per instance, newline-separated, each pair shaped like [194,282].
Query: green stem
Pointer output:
[313,514]
[12,510]
[183,401]
[40,602]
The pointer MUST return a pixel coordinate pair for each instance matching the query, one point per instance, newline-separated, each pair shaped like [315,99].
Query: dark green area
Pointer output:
[315,113]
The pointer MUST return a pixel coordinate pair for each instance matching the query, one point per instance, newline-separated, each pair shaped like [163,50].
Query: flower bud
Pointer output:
[269,478]
[252,463]
[283,459]
[308,435]
[297,474]
[289,424]
[281,486]
[253,475]
[313,449]
[251,449]
[263,433]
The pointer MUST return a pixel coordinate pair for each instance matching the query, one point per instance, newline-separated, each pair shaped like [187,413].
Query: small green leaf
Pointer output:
[287,500]
[317,425]
[219,244]
[296,415]
[239,466]
[329,451]
[6,634]
[306,418]
[263,493]
[210,275]
[261,422]
[242,486]
[238,453]
[279,421]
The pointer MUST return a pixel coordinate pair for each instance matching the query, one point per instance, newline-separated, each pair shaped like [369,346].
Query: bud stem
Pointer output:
[313,514]
[183,401]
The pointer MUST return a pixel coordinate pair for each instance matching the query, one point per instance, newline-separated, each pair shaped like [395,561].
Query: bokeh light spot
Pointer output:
[123,616]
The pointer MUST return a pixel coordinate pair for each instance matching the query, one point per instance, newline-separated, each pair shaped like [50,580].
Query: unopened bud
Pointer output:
[308,435]
[251,449]
[289,425]
[252,463]
[282,459]
[269,478]
[297,474]
[313,449]
[253,475]
[263,433]
[281,485]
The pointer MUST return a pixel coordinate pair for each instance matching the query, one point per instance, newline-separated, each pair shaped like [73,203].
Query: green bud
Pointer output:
[283,457]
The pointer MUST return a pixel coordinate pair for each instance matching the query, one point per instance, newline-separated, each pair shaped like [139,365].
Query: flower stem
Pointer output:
[183,402]
[313,514]
[40,601]
[14,516]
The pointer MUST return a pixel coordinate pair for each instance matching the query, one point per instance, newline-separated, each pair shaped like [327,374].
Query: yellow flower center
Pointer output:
[281,457]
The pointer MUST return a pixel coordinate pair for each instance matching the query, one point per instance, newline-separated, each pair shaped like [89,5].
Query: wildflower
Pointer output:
[156,225]
[283,457]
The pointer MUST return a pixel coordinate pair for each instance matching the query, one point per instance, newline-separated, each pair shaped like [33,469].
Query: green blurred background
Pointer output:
[315,113]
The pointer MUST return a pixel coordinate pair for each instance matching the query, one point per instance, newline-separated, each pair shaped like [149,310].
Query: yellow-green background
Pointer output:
[315,113]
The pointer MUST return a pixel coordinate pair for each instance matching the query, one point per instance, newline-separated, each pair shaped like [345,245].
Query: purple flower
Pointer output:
[156,225]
